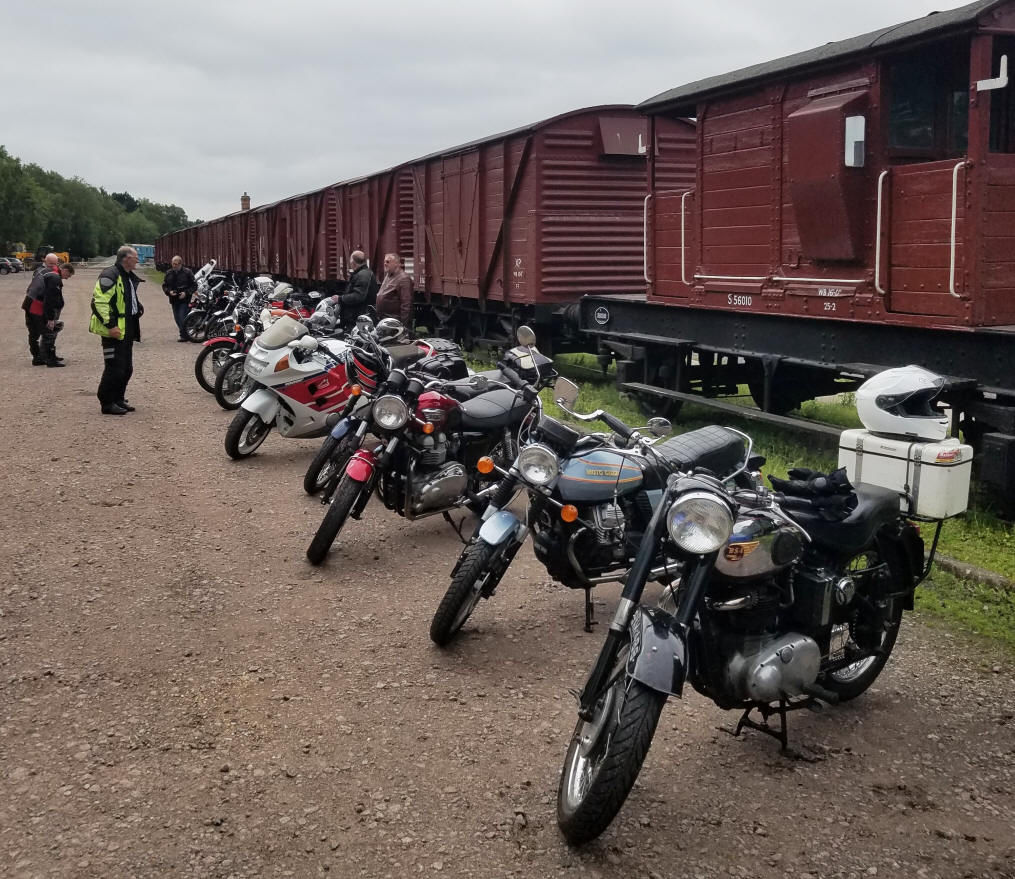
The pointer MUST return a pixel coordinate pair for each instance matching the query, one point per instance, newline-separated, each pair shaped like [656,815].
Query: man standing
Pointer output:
[43,303]
[116,317]
[394,299]
[50,263]
[179,284]
[360,291]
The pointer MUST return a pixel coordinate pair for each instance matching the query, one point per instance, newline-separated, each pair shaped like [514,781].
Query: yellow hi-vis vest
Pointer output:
[109,308]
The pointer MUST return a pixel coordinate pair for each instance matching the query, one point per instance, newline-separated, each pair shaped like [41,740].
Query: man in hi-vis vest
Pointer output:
[116,317]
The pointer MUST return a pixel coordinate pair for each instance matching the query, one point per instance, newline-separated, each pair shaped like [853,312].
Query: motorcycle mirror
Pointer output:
[314,294]
[659,426]
[565,394]
[525,336]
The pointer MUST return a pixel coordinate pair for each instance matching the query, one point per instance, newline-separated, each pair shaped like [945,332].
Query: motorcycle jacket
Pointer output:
[114,306]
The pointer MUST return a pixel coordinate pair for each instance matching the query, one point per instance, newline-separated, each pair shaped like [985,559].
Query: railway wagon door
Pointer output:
[462,232]
[669,263]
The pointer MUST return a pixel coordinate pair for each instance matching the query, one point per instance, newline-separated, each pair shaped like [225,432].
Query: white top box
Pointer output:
[934,475]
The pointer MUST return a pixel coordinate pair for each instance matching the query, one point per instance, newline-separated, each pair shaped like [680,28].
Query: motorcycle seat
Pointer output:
[462,389]
[713,447]
[875,508]
[494,409]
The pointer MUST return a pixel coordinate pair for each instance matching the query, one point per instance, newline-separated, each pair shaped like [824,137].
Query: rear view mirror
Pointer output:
[525,336]
[659,426]
[565,394]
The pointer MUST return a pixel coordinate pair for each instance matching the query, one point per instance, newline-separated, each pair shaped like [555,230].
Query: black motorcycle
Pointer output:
[772,602]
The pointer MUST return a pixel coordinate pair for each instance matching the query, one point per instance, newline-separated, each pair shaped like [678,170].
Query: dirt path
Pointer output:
[182,695]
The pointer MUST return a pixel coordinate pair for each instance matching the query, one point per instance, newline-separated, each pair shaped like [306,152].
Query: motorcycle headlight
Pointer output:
[537,464]
[390,412]
[249,332]
[699,522]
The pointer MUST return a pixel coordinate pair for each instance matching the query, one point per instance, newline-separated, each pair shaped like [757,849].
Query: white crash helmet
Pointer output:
[389,328]
[283,290]
[897,402]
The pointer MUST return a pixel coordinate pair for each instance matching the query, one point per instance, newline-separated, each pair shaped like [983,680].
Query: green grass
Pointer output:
[972,608]
[155,276]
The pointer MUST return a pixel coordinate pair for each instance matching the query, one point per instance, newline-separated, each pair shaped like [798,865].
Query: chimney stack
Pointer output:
[244,202]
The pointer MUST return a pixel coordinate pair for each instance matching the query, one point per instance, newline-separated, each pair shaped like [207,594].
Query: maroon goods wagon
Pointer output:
[853,209]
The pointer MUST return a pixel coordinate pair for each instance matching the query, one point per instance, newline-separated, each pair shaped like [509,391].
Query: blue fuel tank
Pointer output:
[597,476]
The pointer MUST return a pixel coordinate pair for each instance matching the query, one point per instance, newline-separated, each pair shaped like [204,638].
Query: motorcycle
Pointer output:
[773,601]
[211,296]
[430,441]
[590,499]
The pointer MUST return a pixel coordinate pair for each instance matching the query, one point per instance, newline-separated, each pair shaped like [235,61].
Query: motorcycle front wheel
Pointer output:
[194,325]
[245,435]
[478,572]
[209,363]
[231,385]
[605,757]
[329,460]
[341,505]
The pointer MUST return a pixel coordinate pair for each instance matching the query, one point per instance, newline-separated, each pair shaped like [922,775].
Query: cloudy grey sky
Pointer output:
[194,102]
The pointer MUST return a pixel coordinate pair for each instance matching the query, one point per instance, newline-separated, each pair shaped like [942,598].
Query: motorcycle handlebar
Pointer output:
[529,393]
[616,425]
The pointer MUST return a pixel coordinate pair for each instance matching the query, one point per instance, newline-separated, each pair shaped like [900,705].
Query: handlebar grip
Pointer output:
[529,393]
[616,425]
[791,502]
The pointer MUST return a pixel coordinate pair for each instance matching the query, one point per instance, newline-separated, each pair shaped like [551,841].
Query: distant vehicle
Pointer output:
[19,266]
[145,252]
[6,266]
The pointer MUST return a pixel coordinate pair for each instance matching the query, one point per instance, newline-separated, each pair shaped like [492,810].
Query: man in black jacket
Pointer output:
[179,285]
[43,303]
[360,291]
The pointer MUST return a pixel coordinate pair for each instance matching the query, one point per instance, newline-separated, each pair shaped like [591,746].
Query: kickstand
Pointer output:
[456,526]
[766,711]
[590,610]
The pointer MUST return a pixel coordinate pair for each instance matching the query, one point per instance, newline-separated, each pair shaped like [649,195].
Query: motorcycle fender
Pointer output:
[361,466]
[218,339]
[499,527]
[262,403]
[658,657]
[343,427]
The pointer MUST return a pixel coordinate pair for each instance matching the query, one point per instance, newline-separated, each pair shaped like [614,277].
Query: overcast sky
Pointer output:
[194,102]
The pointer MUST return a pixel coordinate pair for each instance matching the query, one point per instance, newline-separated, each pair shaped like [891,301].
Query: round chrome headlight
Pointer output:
[699,522]
[537,464]
[390,412]
[249,332]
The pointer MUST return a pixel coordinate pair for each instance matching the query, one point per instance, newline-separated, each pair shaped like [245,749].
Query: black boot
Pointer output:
[37,358]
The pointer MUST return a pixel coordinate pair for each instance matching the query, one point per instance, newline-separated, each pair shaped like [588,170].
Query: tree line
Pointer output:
[38,206]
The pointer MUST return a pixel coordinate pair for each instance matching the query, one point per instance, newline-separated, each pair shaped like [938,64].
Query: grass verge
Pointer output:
[971,608]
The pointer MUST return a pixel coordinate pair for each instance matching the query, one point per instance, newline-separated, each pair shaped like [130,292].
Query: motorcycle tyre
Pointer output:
[220,381]
[462,596]
[203,355]
[632,726]
[194,326]
[236,431]
[341,505]
[332,450]
[850,689]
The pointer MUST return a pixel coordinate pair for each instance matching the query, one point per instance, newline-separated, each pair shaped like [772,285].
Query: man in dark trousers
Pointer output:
[394,299]
[179,285]
[44,301]
[360,291]
[116,317]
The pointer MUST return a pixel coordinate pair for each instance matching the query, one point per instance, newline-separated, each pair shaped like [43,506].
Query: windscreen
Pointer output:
[281,333]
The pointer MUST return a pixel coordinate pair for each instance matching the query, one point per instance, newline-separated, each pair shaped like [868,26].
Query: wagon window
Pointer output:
[1002,101]
[928,112]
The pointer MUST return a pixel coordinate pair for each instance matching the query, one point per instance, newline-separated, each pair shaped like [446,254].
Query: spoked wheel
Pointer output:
[232,386]
[245,434]
[330,459]
[605,756]
[871,634]
[194,325]
[209,363]
[342,502]
[479,571]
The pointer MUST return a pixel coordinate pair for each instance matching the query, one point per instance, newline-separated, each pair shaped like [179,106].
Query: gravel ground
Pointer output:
[182,695]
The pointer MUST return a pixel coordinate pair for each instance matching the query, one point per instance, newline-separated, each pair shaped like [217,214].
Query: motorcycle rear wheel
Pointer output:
[245,435]
[342,502]
[471,579]
[209,363]
[856,678]
[194,325]
[605,757]
[330,459]
[231,385]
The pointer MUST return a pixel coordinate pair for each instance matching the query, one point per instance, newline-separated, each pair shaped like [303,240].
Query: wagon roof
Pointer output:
[682,99]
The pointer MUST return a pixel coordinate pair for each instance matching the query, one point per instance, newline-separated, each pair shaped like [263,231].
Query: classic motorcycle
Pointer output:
[590,499]
[430,442]
[772,602]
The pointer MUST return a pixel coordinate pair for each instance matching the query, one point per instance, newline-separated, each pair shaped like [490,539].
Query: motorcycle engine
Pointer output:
[434,490]
[603,547]
[767,669]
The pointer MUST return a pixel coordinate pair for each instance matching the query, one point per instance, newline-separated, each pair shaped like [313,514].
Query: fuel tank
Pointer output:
[597,476]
